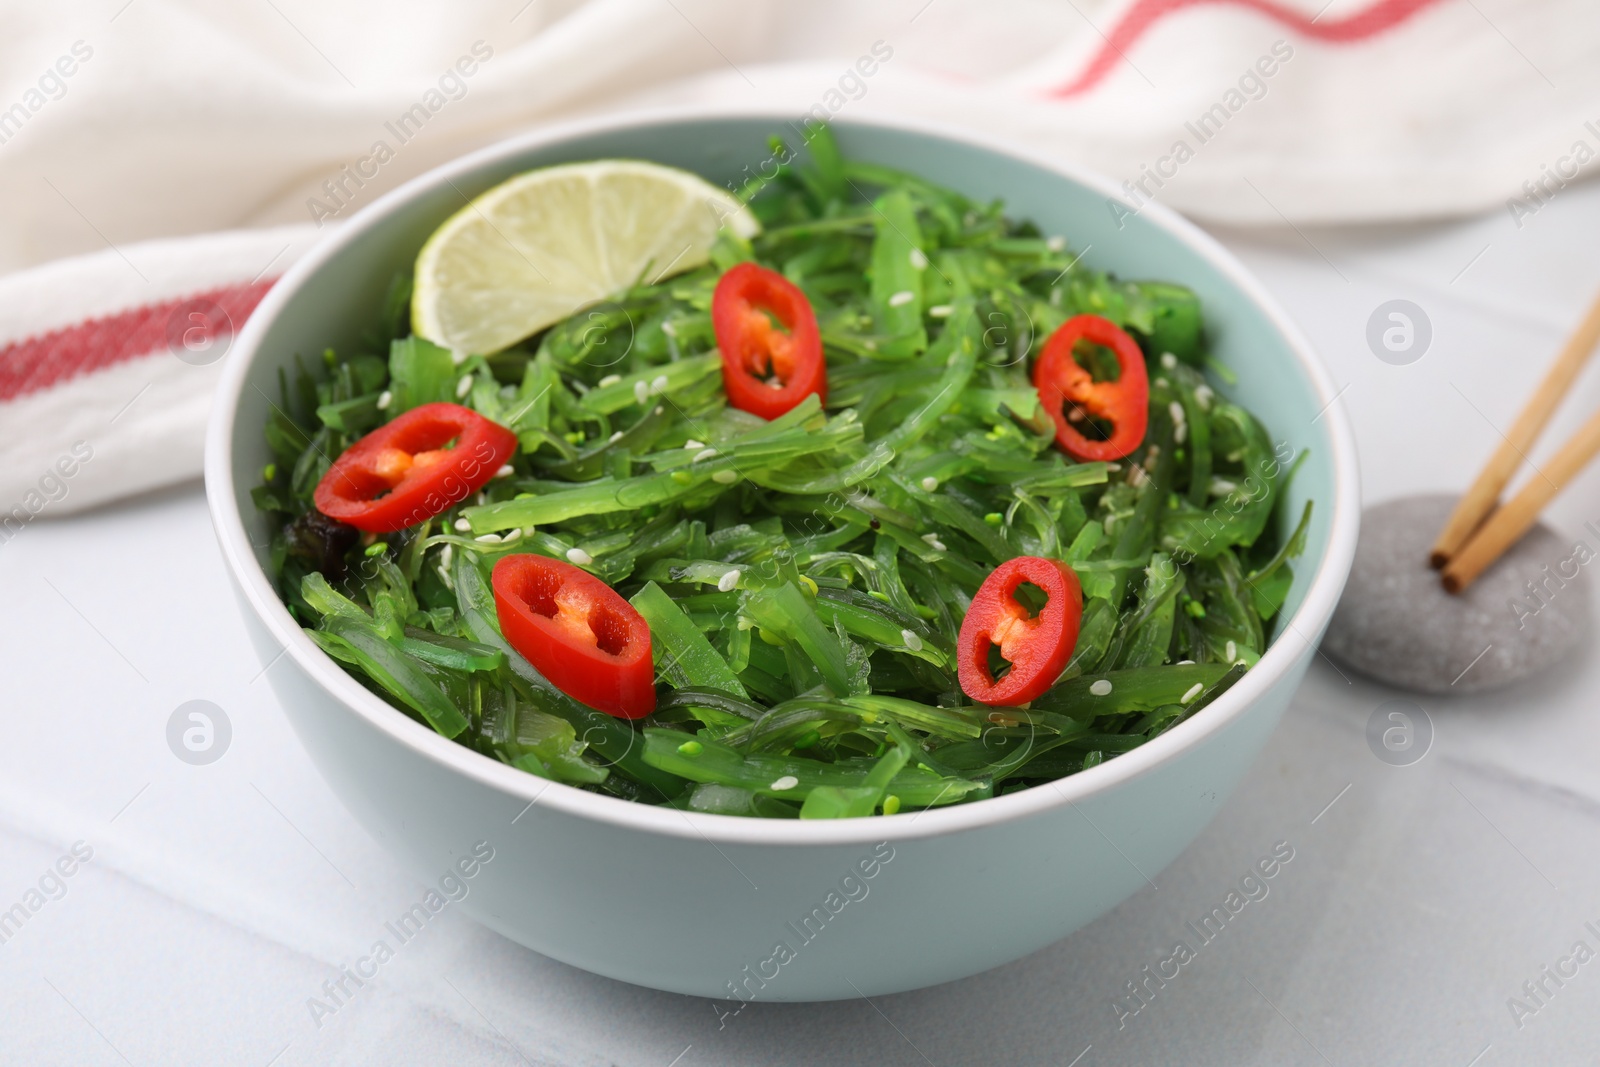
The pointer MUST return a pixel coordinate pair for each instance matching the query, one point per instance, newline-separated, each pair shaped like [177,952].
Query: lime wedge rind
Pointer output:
[547,243]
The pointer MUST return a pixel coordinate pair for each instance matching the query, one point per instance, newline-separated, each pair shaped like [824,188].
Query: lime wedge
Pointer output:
[540,246]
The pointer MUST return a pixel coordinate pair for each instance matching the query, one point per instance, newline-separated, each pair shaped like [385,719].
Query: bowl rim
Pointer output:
[1279,658]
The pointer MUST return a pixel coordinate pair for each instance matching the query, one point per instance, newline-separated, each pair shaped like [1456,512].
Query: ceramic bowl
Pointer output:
[725,907]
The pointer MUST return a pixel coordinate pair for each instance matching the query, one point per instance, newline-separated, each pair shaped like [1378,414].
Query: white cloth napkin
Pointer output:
[132,120]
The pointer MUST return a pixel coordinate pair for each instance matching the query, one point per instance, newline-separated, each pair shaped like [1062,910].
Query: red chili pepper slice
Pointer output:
[1125,403]
[404,472]
[765,370]
[1037,647]
[579,632]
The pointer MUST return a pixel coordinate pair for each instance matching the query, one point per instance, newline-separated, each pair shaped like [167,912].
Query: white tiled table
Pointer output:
[220,898]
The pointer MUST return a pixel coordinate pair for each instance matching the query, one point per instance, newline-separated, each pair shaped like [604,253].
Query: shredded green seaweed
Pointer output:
[804,579]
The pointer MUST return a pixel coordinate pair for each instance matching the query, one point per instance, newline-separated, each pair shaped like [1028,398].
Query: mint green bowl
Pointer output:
[781,910]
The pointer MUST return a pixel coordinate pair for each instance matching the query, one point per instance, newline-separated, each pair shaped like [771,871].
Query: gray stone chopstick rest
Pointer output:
[1397,624]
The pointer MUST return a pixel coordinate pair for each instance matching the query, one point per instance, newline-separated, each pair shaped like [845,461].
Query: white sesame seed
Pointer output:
[1168,360]
[1180,433]
[385,398]
[641,392]
[1222,487]
[1203,395]
[659,410]
[610,379]
[912,641]
[704,453]
[725,477]
[1194,690]
[659,384]
[505,471]
[1056,244]
[919,259]
[940,311]
[933,540]
[464,386]
[579,556]
[692,443]
[930,483]
[488,538]
[904,296]
[1137,476]
[617,436]
[1230,651]
[1175,409]
[446,555]
[1101,687]
[482,499]
[669,329]
[458,357]
[463,525]
[1184,663]
[788,781]
[728,581]
[510,535]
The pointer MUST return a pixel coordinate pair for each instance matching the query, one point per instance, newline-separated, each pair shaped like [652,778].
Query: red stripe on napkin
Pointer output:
[37,363]
[1368,22]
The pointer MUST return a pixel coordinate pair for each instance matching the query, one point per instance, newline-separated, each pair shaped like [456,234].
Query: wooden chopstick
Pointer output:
[1484,493]
[1510,522]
